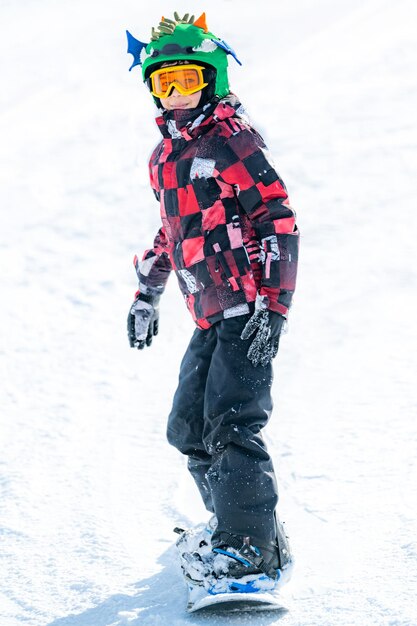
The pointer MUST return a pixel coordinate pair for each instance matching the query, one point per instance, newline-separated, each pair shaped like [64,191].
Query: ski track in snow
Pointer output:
[90,489]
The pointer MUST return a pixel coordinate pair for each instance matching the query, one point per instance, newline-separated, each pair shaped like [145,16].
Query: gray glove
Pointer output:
[268,326]
[143,321]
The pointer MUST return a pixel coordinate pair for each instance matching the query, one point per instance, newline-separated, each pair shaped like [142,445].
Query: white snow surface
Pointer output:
[90,489]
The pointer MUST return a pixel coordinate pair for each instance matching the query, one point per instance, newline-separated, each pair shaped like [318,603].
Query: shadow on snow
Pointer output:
[161,600]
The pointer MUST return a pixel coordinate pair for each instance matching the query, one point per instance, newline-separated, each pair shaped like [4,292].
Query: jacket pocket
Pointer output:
[221,263]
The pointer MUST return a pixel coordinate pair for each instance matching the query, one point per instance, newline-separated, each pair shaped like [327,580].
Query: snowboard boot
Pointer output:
[241,566]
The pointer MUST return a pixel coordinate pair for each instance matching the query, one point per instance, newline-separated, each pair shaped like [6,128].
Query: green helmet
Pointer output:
[183,39]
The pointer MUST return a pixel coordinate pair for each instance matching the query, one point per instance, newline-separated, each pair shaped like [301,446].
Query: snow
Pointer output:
[90,489]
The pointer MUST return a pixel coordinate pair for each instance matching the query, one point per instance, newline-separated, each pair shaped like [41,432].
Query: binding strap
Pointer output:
[247,555]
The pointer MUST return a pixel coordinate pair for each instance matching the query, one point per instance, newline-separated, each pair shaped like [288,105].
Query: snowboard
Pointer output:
[199,598]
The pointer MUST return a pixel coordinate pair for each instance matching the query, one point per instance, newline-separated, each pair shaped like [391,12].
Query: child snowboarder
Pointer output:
[229,234]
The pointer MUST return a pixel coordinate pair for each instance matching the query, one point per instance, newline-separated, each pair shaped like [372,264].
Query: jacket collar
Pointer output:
[191,123]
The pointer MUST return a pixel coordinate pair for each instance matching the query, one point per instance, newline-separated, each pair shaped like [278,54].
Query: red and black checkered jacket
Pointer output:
[228,230]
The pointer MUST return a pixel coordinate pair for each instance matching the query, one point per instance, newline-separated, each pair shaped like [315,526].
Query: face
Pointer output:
[177,101]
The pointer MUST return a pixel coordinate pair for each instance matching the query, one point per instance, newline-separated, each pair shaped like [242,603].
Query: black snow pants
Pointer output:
[220,406]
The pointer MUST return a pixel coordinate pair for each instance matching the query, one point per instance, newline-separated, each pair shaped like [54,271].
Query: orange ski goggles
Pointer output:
[186,79]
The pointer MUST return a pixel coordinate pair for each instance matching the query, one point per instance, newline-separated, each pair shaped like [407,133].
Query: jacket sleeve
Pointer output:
[248,168]
[155,267]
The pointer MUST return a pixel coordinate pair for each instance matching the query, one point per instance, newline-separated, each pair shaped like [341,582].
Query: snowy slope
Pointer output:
[90,490]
